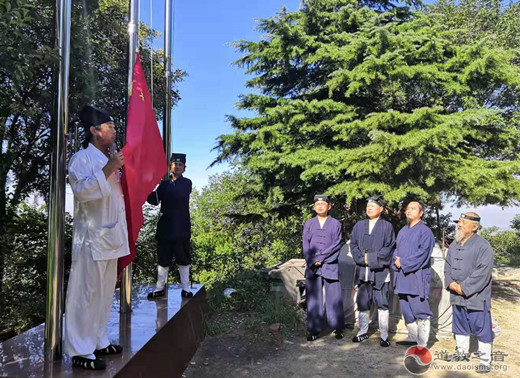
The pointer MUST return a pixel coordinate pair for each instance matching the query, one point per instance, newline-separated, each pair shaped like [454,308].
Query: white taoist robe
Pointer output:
[99,238]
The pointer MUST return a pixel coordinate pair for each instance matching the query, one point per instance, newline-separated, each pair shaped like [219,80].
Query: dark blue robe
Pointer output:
[414,246]
[174,196]
[379,246]
[323,245]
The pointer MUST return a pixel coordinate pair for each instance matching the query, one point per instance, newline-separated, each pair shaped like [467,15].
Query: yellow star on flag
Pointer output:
[142,95]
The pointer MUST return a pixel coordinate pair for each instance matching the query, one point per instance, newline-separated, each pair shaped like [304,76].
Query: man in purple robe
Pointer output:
[412,275]
[372,245]
[321,246]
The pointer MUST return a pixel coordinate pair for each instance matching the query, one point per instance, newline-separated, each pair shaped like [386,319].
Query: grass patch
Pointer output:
[251,306]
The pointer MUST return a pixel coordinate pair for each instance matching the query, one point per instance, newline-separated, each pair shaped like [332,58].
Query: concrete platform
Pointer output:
[159,338]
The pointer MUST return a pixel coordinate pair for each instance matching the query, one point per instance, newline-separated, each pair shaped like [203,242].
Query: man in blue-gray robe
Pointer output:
[467,275]
[372,245]
[321,246]
[412,275]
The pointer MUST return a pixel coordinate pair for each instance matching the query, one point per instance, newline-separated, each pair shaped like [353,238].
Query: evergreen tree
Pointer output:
[354,99]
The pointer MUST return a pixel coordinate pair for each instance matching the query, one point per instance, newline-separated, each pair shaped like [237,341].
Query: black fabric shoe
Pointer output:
[384,343]
[312,336]
[406,343]
[483,369]
[87,363]
[111,349]
[156,294]
[338,334]
[186,294]
[360,338]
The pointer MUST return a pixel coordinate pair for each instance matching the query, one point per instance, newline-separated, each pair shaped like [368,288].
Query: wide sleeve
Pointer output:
[331,254]
[421,258]
[154,197]
[481,276]
[383,257]
[87,185]
[355,250]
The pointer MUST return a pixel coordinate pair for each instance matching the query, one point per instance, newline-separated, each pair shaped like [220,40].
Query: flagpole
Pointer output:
[167,121]
[55,237]
[125,293]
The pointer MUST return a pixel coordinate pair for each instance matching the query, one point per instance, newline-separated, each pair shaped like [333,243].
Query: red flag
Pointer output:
[145,161]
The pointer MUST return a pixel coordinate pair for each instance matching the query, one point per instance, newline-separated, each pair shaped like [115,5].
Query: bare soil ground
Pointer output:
[240,353]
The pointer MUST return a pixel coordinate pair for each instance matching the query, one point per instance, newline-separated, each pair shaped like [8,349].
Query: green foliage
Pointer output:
[506,245]
[145,264]
[351,100]
[22,299]
[232,232]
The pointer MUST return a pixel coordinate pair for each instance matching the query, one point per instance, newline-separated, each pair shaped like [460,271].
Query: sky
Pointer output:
[203,32]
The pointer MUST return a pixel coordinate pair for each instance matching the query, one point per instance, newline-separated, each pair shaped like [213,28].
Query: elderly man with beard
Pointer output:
[414,246]
[372,245]
[467,274]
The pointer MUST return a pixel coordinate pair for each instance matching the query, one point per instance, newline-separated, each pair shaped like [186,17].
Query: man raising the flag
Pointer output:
[174,227]
[99,238]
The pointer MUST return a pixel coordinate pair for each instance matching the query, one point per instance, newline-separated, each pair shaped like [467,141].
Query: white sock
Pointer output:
[485,353]
[383,319]
[184,272]
[89,356]
[412,332]
[162,277]
[423,332]
[462,343]
[363,322]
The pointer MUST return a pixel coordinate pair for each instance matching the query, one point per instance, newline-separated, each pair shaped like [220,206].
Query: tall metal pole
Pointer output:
[168,35]
[54,306]
[133,28]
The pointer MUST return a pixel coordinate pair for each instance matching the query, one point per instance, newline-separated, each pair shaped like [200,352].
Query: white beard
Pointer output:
[459,235]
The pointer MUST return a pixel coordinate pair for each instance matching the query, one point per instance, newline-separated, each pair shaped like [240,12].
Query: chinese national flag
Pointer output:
[145,161]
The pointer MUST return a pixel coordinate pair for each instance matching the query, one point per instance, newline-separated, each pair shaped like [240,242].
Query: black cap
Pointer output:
[178,158]
[92,116]
[321,197]
[379,199]
[475,218]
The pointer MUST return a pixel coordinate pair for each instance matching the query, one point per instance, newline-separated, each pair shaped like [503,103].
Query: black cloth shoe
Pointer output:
[156,294]
[312,336]
[87,363]
[406,343]
[384,343]
[111,349]
[186,294]
[483,369]
[338,334]
[360,338]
